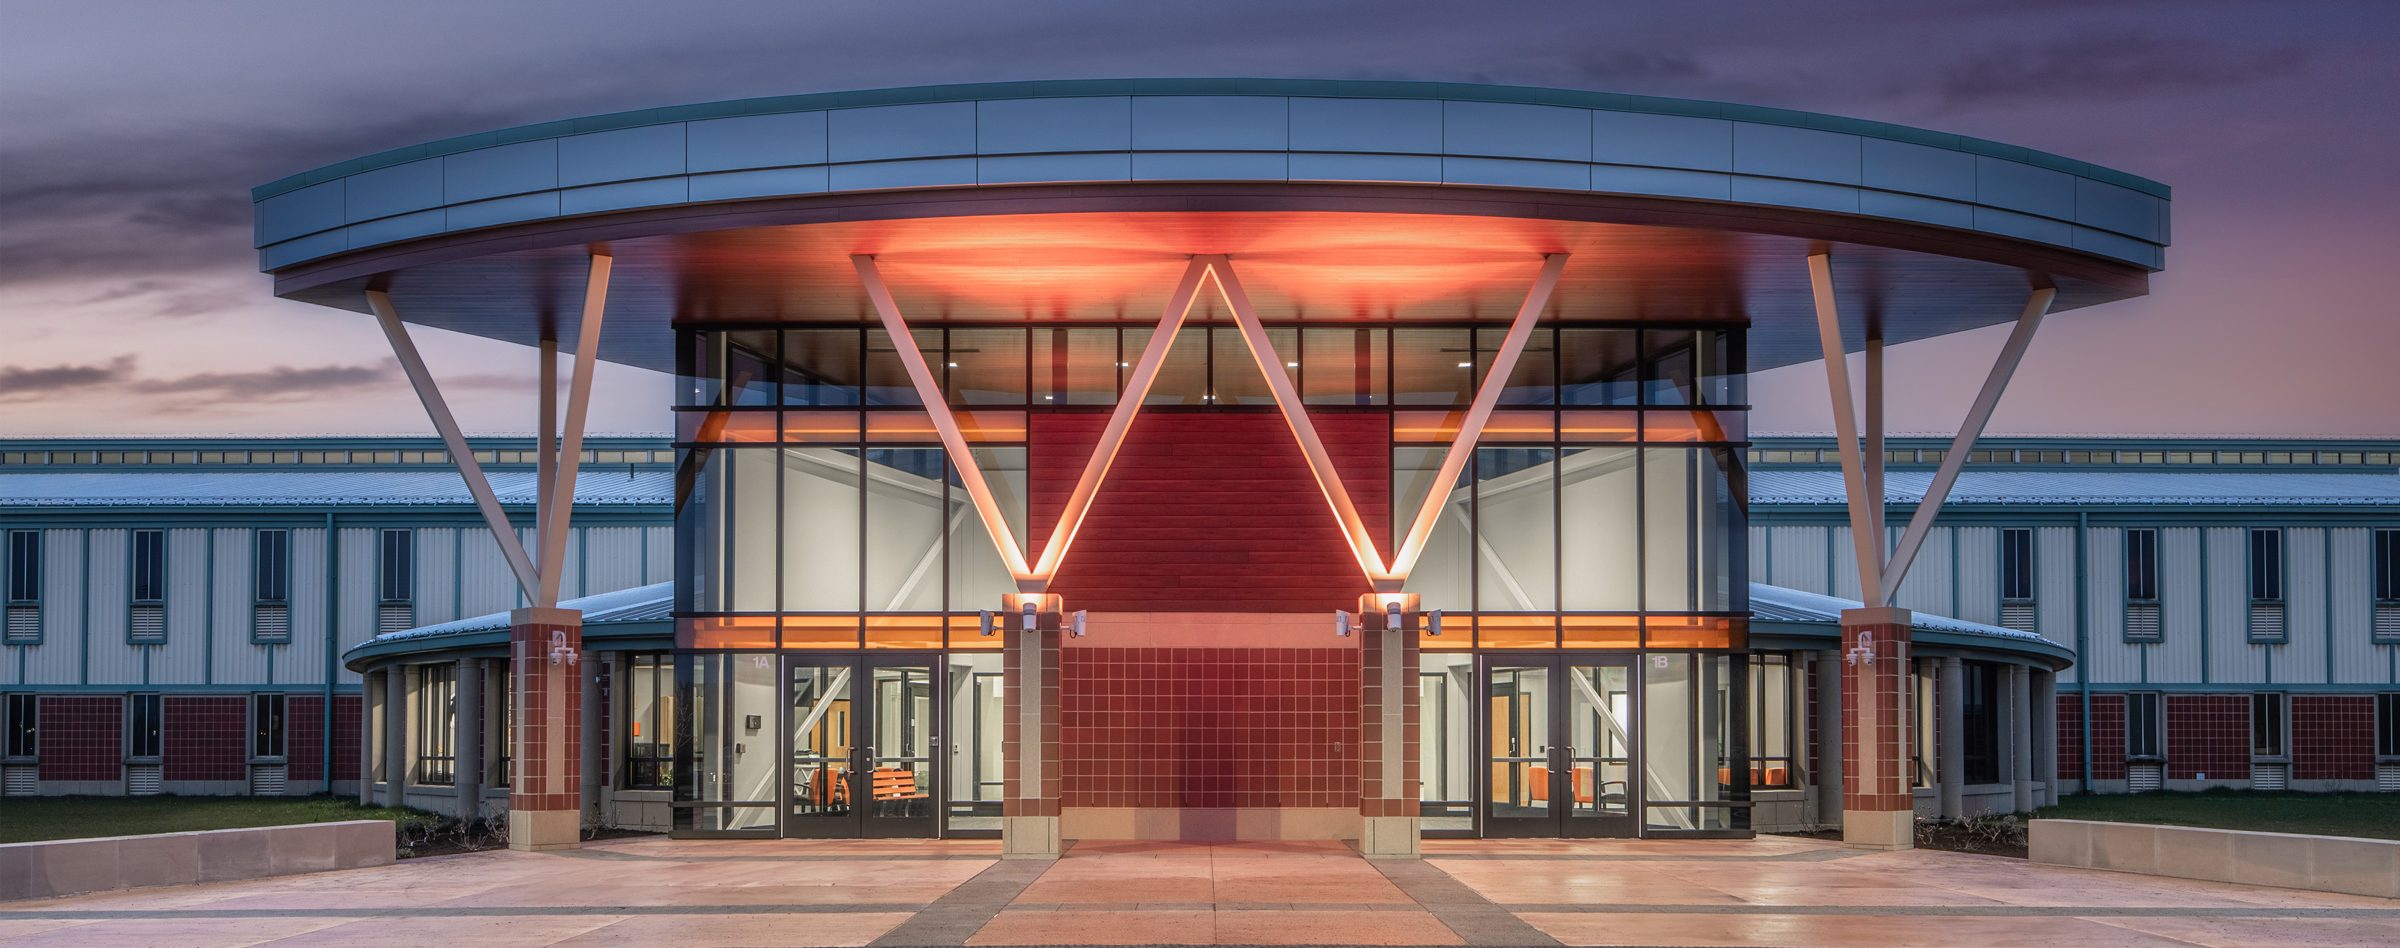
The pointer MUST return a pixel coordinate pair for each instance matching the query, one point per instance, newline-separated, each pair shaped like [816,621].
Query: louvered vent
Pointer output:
[2387,778]
[2143,778]
[143,780]
[2017,615]
[2387,622]
[2265,776]
[395,617]
[24,625]
[267,780]
[20,780]
[149,623]
[2141,622]
[271,622]
[2266,621]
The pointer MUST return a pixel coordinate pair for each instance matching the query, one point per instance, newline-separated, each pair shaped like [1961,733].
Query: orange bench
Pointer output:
[894,783]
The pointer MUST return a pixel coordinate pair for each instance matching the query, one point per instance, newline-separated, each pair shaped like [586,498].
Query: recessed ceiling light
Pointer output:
[1291,365]
[953,365]
[1466,365]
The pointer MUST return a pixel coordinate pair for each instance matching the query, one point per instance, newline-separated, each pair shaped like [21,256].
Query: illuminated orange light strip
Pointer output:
[944,423]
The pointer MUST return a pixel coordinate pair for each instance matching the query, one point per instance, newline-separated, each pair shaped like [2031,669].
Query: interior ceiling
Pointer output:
[1122,265]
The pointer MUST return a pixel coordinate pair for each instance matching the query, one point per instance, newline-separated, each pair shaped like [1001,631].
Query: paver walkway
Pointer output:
[1767,891]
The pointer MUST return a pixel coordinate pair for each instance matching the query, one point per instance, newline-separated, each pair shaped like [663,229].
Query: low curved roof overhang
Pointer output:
[1078,200]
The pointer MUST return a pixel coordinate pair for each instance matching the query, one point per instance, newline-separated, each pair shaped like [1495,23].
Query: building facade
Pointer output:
[1214,441]
[177,610]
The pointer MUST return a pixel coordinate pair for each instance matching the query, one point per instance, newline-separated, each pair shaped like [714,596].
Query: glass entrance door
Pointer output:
[1561,757]
[862,749]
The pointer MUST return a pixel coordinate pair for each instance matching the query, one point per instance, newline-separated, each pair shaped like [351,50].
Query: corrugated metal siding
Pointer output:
[2054,583]
[184,658]
[1799,559]
[2231,657]
[2176,659]
[1845,564]
[613,555]
[1979,575]
[1928,587]
[437,575]
[570,579]
[59,659]
[2356,658]
[661,565]
[354,603]
[2302,661]
[485,583]
[237,661]
[2106,656]
[1758,552]
[304,659]
[108,597]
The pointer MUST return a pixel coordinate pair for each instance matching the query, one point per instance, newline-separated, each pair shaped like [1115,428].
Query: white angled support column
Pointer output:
[554,523]
[1865,539]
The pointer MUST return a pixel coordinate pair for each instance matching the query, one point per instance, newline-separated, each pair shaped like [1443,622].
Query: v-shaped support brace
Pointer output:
[1031,576]
[1035,575]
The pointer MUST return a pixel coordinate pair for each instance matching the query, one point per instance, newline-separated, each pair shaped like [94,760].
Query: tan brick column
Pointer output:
[545,804]
[1029,802]
[1878,807]
[1390,826]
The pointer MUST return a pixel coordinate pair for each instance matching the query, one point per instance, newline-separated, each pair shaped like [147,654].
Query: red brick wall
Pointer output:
[1208,511]
[2208,734]
[2333,737]
[207,737]
[83,737]
[304,737]
[2108,737]
[1210,727]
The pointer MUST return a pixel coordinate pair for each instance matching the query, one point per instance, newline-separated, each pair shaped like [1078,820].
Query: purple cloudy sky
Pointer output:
[130,133]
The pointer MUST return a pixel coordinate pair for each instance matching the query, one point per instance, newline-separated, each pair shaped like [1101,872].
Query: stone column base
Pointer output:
[545,830]
[1390,837]
[1029,837]
[1879,829]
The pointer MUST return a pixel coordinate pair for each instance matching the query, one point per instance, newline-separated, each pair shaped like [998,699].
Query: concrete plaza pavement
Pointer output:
[1765,891]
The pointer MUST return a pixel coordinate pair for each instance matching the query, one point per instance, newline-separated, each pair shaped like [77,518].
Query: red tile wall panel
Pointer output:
[2207,734]
[1213,511]
[1210,727]
[304,729]
[207,737]
[2108,737]
[2333,737]
[83,737]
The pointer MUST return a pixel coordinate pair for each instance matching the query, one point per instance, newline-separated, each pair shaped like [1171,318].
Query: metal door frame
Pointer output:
[860,823]
[1561,821]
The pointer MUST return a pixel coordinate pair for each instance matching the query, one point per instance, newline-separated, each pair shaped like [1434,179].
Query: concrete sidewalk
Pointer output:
[1767,891]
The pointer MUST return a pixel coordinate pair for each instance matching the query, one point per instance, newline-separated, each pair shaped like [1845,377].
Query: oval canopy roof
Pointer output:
[1078,200]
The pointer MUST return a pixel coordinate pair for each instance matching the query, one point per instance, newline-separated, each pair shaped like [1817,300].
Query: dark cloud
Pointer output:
[2115,65]
[281,383]
[23,383]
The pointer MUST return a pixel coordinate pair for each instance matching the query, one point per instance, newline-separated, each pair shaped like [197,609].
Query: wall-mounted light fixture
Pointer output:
[560,653]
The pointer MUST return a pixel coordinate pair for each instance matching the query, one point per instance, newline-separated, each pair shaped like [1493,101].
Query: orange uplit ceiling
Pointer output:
[1314,265]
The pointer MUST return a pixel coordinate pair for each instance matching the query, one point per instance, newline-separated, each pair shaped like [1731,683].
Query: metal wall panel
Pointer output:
[1759,572]
[1020,126]
[2020,186]
[1919,169]
[232,658]
[612,557]
[1514,130]
[1782,151]
[1927,588]
[304,659]
[1797,560]
[59,659]
[356,587]
[399,189]
[1403,125]
[2054,584]
[1212,122]
[437,575]
[881,133]
[1020,169]
[2107,657]
[755,141]
[646,151]
[2231,657]
[184,659]
[2176,660]
[1844,564]
[305,211]
[1516,173]
[2302,660]
[108,599]
[1978,598]
[485,583]
[500,170]
[2356,658]
[1662,141]
[661,550]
